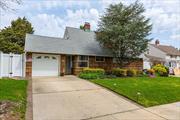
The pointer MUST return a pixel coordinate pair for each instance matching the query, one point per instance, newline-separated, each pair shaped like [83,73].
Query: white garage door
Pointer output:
[45,65]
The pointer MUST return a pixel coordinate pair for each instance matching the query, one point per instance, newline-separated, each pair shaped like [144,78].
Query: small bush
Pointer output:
[92,73]
[131,72]
[151,72]
[139,73]
[161,70]
[119,72]
[93,70]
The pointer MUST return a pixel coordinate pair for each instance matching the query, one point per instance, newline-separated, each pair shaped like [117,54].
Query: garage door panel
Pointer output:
[45,65]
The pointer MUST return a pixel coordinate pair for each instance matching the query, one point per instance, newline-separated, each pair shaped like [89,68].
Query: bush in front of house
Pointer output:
[94,70]
[160,70]
[131,72]
[119,72]
[150,72]
[92,73]
[140,73]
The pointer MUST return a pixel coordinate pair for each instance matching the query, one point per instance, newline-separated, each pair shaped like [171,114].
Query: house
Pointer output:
[49,56]
[161,54]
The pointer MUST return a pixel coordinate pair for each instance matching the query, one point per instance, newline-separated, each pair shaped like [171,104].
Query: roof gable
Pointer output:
[170,50]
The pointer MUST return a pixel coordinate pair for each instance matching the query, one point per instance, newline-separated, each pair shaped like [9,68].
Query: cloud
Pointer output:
[48,25]
[48,19]
[53,25]
[175,37]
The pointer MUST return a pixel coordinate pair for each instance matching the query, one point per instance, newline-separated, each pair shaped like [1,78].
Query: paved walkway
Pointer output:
[71,98]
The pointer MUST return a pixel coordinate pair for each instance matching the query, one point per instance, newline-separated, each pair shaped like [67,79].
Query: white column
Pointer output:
[10,65]
[24,64]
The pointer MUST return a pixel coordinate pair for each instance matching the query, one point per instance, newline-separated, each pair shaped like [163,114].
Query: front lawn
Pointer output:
[13,96]
[153,91]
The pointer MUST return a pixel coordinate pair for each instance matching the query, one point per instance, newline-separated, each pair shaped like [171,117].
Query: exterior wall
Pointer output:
[28,65]
[107,65]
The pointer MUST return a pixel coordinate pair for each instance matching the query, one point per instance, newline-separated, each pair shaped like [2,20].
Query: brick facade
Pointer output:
[107,65]
[28,65]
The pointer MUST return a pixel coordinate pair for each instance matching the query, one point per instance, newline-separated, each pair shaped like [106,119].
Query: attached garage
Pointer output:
[45,65]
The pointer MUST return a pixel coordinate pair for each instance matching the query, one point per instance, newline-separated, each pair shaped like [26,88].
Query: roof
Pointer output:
[79,42]
[154,58]
[170,50]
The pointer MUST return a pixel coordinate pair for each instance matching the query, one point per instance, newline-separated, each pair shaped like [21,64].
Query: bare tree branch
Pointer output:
[5,4]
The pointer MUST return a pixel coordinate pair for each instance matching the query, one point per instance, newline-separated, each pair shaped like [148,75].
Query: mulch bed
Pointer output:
[7,111]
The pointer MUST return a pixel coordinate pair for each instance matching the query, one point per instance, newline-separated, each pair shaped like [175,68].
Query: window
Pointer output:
[46,57]
[54,58]
[83,61]
[100,59]
[83,57]
[39,57]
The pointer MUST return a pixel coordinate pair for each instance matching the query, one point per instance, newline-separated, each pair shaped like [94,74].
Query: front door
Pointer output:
[68,64]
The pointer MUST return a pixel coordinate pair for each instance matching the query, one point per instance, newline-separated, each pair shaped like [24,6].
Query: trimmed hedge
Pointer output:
[94,70]
[119,72]
[92,73]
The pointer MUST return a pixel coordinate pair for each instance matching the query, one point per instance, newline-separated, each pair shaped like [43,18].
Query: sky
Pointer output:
[50,17]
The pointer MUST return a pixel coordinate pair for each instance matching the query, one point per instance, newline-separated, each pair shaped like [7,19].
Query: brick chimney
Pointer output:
[87,26]
[157,42]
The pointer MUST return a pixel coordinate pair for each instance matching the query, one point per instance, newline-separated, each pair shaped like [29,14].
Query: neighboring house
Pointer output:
[49,56]
[161,54]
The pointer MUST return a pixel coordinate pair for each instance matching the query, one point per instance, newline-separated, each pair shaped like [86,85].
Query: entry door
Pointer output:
[68,64]
[45,65]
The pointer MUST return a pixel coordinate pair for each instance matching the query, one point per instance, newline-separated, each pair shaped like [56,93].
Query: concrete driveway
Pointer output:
[71,98]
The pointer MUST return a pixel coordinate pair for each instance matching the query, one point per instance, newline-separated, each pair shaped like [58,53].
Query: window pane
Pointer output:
[100,59]
[83,57]
[83,64]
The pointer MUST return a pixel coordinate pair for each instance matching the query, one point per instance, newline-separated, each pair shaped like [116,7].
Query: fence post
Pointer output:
[10,64]
[1,64]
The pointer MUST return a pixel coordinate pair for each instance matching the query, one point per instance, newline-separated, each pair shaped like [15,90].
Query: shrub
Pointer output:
[139,73]
[151,72]
[131,72]
[92,73]
[119,72]
[93,70]
[161,70]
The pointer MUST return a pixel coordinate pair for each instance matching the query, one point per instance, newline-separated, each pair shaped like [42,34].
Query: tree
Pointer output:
[5,4]
[12,38]
[123,30]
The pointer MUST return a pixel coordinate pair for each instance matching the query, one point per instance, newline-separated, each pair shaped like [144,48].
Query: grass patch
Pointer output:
[14,91]
[153,91]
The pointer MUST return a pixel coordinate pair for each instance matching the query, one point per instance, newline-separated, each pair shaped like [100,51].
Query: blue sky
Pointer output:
[50,17]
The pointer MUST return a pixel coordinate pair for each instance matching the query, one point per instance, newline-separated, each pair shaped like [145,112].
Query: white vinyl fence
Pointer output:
[11,65]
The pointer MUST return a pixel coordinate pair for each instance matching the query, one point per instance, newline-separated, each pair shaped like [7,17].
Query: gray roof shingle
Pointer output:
[79,42]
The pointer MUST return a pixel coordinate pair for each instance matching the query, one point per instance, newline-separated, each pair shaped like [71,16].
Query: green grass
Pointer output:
[15,91]
[153,91]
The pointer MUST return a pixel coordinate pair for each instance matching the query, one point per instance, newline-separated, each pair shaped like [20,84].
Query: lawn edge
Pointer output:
[29,108]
